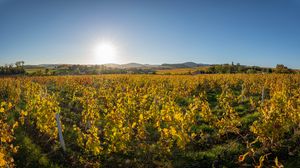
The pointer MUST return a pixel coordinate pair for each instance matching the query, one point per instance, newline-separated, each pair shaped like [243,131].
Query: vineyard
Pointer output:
[222,120]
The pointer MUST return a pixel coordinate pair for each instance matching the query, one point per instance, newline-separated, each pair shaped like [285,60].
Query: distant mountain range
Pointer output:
[185,65]
[132,65]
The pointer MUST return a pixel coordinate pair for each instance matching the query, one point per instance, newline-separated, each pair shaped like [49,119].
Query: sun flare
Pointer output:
[105,52]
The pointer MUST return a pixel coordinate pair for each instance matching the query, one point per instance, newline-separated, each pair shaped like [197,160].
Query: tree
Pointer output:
[13,69]
[280,68]
[46,71]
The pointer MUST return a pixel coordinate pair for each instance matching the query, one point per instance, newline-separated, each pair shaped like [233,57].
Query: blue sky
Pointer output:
[251,32]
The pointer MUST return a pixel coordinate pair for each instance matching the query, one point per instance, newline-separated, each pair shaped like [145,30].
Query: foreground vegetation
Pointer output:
[150,121]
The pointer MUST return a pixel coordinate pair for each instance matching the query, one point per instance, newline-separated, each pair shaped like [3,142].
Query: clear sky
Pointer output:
[251,32]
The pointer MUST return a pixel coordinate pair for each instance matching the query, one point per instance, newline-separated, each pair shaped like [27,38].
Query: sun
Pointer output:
[105,52]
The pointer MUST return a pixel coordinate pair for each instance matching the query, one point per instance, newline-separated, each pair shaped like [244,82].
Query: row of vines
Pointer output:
[150,121]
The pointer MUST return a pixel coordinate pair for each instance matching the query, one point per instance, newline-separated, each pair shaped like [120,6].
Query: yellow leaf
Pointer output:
[173,130]
[278,164]
[15,124]
[9,105]
[141,117]
[133,124]
[2,161]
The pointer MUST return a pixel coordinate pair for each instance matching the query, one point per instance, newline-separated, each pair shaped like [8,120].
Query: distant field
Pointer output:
[31,70]
[39,69]
[180,71]
[176,71]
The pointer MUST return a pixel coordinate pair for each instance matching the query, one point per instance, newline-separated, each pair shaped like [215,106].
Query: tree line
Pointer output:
[13,69]
[237,68]
[65,69]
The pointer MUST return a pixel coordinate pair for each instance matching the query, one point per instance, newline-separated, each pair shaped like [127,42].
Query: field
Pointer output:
[233,120]
[181,71]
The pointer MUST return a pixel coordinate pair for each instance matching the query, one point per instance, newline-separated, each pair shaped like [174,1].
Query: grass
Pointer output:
[30,154]
[224,154]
